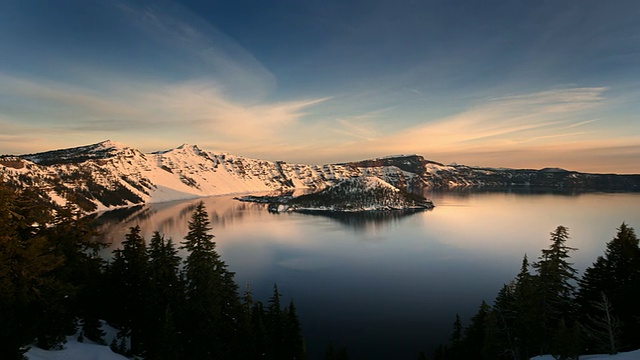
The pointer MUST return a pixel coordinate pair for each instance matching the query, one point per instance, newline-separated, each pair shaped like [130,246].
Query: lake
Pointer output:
[387,287]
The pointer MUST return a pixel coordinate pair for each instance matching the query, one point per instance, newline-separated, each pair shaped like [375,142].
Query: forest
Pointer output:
[53,281]
[548,309]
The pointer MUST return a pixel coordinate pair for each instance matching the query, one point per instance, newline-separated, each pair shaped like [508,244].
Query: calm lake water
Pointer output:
[388,287]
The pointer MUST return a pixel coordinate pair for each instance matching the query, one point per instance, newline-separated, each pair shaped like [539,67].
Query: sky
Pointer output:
[524,84]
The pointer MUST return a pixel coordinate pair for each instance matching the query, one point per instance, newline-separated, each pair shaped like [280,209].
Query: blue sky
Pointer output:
[525,84]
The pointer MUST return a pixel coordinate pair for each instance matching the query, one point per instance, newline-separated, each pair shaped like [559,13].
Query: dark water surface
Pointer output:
[387,287]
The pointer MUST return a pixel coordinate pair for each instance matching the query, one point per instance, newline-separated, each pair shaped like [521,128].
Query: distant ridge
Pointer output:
[110,175]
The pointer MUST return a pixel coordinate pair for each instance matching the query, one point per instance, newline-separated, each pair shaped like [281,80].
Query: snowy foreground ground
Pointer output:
[631,355]
[88,350]
[73,350]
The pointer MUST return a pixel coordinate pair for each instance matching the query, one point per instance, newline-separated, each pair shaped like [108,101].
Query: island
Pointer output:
[359,194]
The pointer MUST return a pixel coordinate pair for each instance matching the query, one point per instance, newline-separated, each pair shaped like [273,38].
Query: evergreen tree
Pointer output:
[71,236]
[212,304]
[258,336]
[528,324]
[29,290]
[275,325]
[501,326]
[455,350]
[129,277]
[473,341]
[293,342]
[617,275]
[565,344]
[165,294]
[554,285]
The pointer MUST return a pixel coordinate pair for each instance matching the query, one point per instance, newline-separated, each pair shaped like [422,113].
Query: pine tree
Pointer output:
[29,290]
[617,275]
[129,278]
[275,326]
[293,341]
[528,324]
[71,236]
[212,303]
[258,338]
[165,294]
[473,341]
[501,326]
[565,344]
[554,283]
[455,350]
[246,333]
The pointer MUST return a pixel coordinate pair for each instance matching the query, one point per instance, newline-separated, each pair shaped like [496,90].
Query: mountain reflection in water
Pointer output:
[388,285]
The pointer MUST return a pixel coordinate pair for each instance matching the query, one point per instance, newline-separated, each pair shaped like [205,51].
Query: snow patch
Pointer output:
[74,350]
[631,355]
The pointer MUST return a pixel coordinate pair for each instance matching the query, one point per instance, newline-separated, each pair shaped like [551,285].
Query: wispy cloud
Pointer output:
[581,123]
[177,78]
[200,106]
[204,88]
[200,45]
[507,119]
[365,126]
[496,124]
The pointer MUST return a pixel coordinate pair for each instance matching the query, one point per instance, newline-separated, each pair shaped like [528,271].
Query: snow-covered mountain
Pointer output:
[109,175]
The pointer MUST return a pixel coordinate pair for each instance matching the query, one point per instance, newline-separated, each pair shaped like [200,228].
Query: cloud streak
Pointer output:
[197,105]
[155,74]
[205,88]
[512,130]
[202,46]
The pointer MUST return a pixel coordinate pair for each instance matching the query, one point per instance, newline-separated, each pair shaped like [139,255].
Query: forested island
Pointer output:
[356,195]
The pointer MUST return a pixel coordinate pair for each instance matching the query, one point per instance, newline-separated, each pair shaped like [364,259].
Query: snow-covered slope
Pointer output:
[109,175]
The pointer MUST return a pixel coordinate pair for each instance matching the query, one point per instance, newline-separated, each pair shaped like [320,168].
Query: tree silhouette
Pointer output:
[212,304]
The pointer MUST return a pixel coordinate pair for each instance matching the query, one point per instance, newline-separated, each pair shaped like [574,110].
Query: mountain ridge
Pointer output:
[109,175]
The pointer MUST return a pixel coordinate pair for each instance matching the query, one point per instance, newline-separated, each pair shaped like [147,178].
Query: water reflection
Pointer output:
[389,286]
[172,218]
[366,221]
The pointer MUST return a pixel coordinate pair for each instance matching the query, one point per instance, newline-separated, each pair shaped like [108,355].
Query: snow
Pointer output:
[188,172]
[87,350]
[74,350]
[631,355]
[108,144]
[184,172]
